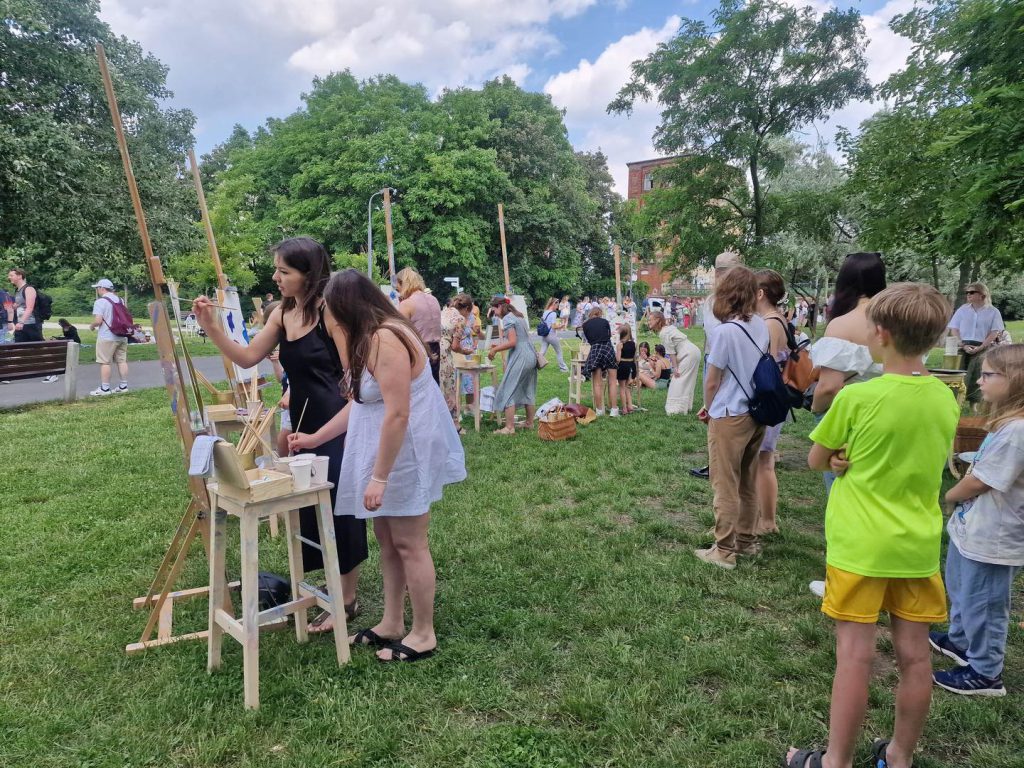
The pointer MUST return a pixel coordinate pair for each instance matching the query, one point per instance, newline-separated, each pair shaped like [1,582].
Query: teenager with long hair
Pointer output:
[310,360]
[402,449]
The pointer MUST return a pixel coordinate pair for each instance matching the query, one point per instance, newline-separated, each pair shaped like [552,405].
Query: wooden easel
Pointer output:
[390,234]
[160,598]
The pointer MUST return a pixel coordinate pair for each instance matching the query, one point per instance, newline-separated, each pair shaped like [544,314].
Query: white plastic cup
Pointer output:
[301,474]
[281,463]
[321,466]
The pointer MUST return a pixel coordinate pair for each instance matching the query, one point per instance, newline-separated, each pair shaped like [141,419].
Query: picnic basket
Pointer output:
[557,424]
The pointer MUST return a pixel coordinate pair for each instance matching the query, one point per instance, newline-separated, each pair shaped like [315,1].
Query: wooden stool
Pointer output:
[247,631]
[471,368]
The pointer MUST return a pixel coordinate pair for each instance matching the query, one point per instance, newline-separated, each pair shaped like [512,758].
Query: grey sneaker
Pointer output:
[121,389]
[49,379]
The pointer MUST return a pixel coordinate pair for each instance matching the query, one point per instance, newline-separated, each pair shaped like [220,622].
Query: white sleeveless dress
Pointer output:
[431,455]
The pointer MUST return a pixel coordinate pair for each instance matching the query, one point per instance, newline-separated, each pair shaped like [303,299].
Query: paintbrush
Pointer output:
[298,426]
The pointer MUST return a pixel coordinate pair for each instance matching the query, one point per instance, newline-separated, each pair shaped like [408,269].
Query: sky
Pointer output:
[243,61]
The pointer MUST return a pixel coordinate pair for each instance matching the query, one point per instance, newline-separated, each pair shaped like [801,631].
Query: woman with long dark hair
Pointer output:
[401,450]
[310,359]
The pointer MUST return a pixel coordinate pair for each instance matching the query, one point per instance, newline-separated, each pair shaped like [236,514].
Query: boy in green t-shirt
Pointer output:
[887,440]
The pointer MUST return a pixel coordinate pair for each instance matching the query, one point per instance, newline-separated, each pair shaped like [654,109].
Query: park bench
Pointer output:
[35,359]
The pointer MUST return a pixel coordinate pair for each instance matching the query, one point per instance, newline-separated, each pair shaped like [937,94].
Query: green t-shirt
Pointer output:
[883,517]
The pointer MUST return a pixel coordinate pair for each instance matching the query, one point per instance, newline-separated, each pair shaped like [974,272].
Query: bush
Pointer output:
[1010,305]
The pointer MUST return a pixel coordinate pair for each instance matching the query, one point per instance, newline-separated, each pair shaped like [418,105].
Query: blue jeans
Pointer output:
[979,609]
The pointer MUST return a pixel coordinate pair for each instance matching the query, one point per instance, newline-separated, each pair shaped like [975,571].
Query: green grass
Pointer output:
[575,626]
[136,352]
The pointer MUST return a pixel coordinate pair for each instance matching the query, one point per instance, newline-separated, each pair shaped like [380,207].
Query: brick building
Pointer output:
[660,281]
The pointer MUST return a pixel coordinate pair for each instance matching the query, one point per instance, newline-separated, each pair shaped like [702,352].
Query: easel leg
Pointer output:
[250,610]
[172,577]
[476,400]
[295,570]
[218,586]
[332,571]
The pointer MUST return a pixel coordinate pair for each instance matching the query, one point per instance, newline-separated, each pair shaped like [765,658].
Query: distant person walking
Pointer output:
[110,348]
[6,313]
[26,325]
[550,339]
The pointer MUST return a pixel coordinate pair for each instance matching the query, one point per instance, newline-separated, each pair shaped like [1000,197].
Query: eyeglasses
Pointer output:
[970,292]
[989,374]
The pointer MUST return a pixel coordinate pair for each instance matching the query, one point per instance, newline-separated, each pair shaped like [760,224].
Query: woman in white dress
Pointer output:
[841,355]
[401,450]
[685,358]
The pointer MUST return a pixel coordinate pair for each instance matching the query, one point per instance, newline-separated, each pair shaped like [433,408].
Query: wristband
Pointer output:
[378,480]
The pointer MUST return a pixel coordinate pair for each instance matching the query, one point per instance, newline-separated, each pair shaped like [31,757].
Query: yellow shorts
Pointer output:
[852,597]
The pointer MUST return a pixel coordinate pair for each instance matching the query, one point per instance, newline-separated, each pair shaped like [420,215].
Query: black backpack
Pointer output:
[770,400]
[43,309]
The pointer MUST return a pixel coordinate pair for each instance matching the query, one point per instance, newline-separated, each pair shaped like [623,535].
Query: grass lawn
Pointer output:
[575,626]
[136,352]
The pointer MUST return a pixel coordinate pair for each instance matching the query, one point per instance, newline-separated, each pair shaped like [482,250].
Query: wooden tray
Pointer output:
[222,412]
[250,485]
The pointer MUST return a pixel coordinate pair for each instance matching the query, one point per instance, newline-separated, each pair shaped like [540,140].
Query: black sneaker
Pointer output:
[940,643]
[965,681]
[704,473]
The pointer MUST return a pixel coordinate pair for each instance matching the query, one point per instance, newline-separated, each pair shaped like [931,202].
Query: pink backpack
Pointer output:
[121,321]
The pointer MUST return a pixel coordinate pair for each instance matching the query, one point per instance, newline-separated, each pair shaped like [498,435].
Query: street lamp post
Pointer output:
[629,253]
[369,230]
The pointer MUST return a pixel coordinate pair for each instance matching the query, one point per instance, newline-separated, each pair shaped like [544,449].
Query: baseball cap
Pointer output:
[104,283]
[727,259]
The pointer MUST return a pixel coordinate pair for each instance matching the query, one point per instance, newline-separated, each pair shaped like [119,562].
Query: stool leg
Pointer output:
[273,526]
[476,400]
[250,610]
[295,569]
[332,571]
[218,585]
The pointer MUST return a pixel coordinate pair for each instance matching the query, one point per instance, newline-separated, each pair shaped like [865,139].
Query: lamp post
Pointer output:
[369,230]
[629,254]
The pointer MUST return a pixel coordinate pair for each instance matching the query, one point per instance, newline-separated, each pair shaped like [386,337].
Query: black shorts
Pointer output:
[626,371]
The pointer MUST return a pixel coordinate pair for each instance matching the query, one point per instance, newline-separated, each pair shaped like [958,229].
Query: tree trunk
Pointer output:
[935,271]
[965,277]
[755,184]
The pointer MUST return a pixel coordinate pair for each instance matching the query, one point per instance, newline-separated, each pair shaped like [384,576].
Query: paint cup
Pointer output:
[301,474]
[281,464]
[321,466]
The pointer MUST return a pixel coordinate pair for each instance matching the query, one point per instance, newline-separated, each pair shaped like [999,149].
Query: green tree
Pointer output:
[760,71]
[63,199]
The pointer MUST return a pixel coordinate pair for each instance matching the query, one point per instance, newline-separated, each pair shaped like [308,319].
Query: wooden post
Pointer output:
[617,251]
[222,280]
[390,234]
[196,516]
[504,250]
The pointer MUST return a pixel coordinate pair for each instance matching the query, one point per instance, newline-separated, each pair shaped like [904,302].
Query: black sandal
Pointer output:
[408,654]
[804,758]
[369,637]
[878,750]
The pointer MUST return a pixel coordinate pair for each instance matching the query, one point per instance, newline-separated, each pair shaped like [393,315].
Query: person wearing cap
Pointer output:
[724,261]
[110,349]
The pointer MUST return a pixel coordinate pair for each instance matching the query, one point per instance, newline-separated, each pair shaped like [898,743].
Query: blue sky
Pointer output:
[242,61]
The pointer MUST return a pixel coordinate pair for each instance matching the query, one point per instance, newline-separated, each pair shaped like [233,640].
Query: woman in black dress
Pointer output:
[310,359]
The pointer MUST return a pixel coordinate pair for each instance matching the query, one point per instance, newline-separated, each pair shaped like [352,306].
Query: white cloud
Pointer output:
[245,60]
[585,91]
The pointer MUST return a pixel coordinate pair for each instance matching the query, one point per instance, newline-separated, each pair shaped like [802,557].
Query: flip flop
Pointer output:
[369,637]
[316,626]
[408,654]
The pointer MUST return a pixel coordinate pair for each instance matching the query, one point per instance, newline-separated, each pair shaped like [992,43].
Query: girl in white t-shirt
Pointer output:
[986,536]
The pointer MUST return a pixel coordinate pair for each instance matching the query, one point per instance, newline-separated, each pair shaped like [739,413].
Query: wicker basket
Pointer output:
[970,432]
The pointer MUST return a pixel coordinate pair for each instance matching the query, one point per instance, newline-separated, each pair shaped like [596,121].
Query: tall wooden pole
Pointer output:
[222,281]
[504,250]
[390,233]
[617,251]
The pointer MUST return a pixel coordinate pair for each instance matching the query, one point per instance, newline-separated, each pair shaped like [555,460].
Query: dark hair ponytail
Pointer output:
[861,275]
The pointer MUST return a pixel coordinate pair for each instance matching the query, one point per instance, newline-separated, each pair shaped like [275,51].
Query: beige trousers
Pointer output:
[733,444]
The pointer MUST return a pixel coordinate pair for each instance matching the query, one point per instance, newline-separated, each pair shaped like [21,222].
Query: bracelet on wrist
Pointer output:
[378,480]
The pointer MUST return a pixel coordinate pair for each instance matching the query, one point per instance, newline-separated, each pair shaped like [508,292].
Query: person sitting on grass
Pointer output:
[647,366]
[663,366]
[68,332]
[986,536]
[887,440]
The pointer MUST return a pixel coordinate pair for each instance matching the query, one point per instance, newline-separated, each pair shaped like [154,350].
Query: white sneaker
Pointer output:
[101,392]
[49,379]
[121,389]
[817,588]
[613,412]
[599,411]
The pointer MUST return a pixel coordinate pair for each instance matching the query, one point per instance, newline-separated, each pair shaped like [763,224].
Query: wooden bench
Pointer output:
[36,359]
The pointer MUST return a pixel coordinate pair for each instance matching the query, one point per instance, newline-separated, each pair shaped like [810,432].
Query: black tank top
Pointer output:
[314,372]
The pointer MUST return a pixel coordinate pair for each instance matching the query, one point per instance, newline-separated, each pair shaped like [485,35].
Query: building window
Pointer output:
[648,182]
